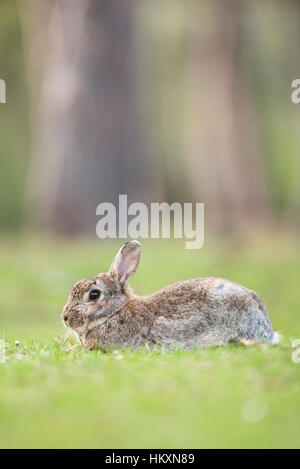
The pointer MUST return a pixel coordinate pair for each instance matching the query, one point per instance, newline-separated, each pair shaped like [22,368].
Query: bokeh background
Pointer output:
[163,101]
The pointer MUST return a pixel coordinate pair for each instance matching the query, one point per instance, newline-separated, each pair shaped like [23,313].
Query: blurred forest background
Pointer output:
[163,101]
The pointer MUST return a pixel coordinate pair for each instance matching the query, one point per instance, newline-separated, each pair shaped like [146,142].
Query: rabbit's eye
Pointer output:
[94,294]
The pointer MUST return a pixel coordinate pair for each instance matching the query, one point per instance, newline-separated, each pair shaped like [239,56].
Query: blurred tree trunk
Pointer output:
[224,163]
[87,137]
[161,39]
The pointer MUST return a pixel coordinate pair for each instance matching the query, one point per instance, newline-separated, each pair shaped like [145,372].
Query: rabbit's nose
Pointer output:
[65,318]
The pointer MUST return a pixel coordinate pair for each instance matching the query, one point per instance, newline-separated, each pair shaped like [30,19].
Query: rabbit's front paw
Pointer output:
[72,348]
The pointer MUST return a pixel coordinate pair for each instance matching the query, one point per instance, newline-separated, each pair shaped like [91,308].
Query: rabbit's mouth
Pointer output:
[79,329]
[65,324]
[73,319]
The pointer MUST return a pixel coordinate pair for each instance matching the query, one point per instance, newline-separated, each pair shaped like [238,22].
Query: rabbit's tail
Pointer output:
[256,325]
[276,338]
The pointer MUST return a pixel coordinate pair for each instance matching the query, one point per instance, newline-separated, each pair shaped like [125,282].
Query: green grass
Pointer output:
[221,397]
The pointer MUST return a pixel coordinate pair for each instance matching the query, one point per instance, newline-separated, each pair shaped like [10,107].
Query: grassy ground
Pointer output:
[223,397]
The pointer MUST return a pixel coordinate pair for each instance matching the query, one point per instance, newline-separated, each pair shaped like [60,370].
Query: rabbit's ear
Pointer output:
[126,262]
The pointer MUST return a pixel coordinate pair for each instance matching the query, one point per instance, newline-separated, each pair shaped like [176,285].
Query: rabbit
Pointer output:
[105,313]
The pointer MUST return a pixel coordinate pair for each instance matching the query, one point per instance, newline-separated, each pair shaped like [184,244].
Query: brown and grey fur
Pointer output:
[200,312]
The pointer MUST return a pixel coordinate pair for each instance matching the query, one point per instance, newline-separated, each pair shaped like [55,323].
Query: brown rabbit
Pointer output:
[105,313]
